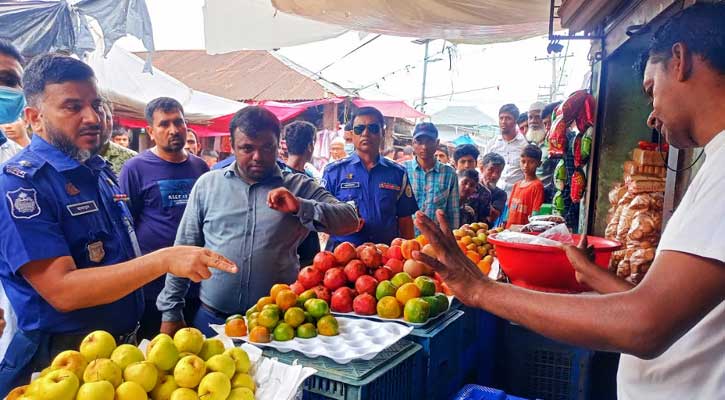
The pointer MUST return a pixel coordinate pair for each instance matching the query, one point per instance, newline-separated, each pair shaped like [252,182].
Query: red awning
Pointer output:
[391,108]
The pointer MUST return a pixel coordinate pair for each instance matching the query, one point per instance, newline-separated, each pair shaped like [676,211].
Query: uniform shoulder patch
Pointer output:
[23,203]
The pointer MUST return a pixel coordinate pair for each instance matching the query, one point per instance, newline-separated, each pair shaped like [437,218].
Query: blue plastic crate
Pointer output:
[537,367]
[392,374]
[442,353]
[481,332]
[476,392]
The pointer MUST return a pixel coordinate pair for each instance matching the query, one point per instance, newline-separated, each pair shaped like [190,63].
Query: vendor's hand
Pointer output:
[360,225]
[457,270]
[193,262]
[579,258]
[283,200]
[493,214]
[2,321]
[170,327]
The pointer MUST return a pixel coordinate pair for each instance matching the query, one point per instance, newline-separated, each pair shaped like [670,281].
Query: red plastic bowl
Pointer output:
[547,268]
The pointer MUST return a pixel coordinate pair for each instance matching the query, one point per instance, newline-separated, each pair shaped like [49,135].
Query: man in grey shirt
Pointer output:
[256,215]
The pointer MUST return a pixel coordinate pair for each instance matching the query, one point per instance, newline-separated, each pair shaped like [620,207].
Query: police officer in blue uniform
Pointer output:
[377,187]
[62,218]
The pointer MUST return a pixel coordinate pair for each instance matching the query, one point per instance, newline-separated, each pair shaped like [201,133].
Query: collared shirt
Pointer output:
[230,216]
[436,189]
[117,155]
[381,196]
[8,150]
[511,152]
[54,206]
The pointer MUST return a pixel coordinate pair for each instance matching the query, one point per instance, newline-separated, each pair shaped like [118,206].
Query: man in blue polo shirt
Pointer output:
[63,217]
[377,187]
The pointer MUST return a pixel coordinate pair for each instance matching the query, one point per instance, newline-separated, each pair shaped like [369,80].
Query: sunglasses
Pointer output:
[372,128]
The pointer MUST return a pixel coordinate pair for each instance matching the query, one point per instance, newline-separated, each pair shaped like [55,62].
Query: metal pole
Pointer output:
[425,73]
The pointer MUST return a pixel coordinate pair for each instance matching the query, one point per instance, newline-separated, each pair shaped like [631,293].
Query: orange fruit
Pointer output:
[416,310]
[488,259]
[260,334]
[408,247]
[235,328]
[406,292]
[422,240]
[388,307]
[328,326]
[263,301]
[276,288]
[473,256]
[462,246]
[484,266]
[286,299]
[466,240]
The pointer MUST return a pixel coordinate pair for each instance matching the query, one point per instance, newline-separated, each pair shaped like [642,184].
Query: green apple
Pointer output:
[70,360]
[60,384]
[189,371]
[184,394]
[164,388]
[101,390]
[241,394]
[221,363]
[241,359]
[215,386]
[244,380]
[161,336]
[211,347]
[98,344]
[144,373]
[102,369]
[125,355]
[162,353]
[189,340]
[130,391]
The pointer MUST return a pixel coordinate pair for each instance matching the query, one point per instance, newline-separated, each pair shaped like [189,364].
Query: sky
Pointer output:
[508,71]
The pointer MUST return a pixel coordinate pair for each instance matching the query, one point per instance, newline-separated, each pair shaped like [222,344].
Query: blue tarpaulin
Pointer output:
[463,139]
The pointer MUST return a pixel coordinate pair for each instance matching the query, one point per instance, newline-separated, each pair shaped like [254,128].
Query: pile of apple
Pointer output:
[350,278]
[473,240]
[187,367]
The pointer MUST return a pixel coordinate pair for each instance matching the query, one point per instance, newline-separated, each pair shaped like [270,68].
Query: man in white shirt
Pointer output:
[509,146]
[671,325]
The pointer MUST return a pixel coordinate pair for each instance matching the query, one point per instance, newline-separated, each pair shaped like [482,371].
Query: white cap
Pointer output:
[538,106]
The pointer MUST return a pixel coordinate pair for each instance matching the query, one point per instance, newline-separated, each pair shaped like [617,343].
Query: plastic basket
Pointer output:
[476,392]
[392,374]
[442,353]
[481,331]
[537,367]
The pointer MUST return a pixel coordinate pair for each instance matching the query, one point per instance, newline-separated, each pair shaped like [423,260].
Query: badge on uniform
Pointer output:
[23,203]
[389,186]
[85,207]
[349,176]
[408,191]
[71,189]
[96,252]
[350,185]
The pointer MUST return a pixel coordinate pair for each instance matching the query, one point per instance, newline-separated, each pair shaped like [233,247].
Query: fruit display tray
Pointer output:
[398,320]
[358,339]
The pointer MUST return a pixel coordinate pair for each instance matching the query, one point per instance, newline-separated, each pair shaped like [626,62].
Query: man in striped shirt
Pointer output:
[434,184]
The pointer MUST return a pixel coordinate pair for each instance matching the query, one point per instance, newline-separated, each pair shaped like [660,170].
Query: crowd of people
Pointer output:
[96,236]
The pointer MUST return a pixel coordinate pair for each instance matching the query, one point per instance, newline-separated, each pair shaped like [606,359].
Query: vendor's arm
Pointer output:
[678,291]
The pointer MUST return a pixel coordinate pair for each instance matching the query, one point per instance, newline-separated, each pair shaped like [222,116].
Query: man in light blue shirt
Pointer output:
[255,214]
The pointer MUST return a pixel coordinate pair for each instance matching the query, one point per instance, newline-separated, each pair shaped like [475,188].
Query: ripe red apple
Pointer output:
[310,277]
[354,269]
[324,260]
[297,287]
[366,284]
[371,257]
[334,278]
[322,293]
[395,252]
[397,242]
[344,252]
[342,299]
[364,304]
[383,274]
[395,265]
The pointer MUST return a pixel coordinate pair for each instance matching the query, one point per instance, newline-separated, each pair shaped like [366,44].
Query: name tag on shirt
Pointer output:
[85,207]
[350,185]
[389,186]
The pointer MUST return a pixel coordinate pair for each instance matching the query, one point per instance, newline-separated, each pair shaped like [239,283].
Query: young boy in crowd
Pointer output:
[472,209]
[528,194]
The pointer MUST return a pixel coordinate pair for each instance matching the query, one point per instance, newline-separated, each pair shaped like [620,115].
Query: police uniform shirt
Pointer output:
[54,207]
[381,196]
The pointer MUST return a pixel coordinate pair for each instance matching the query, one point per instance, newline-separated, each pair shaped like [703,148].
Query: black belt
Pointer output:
[214,311]
[68,341]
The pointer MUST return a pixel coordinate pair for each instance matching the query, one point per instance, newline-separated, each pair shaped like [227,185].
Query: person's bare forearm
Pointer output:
[604,282]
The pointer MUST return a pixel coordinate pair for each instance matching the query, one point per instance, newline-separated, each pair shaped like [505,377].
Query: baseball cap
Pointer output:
[425,129]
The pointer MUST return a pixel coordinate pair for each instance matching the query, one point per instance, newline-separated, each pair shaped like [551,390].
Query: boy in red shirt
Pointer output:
[528,194]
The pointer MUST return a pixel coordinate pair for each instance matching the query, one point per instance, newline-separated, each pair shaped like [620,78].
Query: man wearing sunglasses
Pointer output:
[377,187]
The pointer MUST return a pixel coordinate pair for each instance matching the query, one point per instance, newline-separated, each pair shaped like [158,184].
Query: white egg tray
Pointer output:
[398,320]
[358,339]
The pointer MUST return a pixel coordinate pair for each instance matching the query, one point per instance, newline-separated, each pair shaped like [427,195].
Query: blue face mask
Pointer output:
[349,148]
[12,104]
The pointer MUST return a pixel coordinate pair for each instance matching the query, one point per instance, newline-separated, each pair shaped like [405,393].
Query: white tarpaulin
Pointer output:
[122,80]
[266,24]
[231,25]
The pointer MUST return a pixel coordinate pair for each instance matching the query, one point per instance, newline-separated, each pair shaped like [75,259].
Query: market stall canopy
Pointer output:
[391,108]
[462,116]
[474,21]
[38,27]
